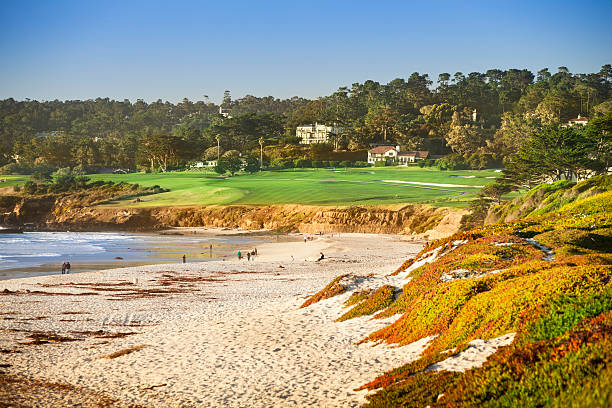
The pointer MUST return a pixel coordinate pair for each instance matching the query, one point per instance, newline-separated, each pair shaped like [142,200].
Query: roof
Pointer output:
[422,153]
[580,119]
[381,149]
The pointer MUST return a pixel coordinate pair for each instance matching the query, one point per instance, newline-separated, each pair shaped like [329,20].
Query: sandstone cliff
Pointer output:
[77,213]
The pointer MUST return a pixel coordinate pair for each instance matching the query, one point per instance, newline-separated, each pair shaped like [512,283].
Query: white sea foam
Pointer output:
[43,255]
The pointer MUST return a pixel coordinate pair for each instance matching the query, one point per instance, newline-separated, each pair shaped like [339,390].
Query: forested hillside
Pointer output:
[482,118]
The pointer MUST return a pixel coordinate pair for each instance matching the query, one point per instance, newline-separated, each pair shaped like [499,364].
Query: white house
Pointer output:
[225,112]
[404,158]
[200,165]
[393,153]
[316,133]
[382,153]
[579,121]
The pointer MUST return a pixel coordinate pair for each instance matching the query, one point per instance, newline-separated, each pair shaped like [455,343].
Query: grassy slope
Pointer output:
[311,187]
[546,198]
[561,311]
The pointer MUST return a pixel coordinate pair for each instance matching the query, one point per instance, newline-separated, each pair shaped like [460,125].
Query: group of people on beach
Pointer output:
[250,255]
[65,268]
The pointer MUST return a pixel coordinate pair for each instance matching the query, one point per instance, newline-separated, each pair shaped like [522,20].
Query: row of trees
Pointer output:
[474,114]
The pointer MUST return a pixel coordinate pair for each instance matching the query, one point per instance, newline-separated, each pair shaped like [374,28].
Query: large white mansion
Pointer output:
[316,133]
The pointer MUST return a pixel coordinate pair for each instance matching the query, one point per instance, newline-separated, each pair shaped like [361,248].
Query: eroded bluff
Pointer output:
[69,212]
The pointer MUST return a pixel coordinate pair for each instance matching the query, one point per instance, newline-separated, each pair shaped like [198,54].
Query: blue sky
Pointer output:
[175,49]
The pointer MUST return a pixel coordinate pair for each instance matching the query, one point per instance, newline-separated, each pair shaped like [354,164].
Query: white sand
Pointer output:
[474,356]
[234,338]
[239,340]
[431,184]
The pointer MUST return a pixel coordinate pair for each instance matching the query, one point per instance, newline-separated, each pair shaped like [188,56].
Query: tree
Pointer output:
[437,123]
[212,153]
[514,131]
[227,99]
[229,162]
[603,108]
[380,119]
[161,150]
[552,154]
[410,133]
[443,79]
[251,164]
[599,135]
[220,167]
[557,106]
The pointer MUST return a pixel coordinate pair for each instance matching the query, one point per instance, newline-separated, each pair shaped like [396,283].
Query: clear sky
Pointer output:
[174,49]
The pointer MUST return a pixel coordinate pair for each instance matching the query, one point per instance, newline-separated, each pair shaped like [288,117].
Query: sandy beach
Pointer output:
[223,333]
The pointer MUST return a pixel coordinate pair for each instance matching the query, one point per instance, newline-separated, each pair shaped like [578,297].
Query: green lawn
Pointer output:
[10,181]
[369,186]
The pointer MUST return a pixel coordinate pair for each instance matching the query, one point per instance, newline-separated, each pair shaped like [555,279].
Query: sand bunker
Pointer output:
[430,184]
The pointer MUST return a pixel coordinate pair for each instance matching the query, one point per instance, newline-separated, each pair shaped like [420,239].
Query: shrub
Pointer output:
[251,164]
[426,163]
[42,174]
[320,149]
[302,163]
[30,187]
[480,161]
[453,161]
[346,163]
[80,170]
[282,163]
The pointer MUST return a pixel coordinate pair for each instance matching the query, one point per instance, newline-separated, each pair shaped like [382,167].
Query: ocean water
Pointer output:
[41,253]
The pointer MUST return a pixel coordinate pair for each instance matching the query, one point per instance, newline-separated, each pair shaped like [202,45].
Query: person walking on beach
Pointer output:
[210,248]
[239,254]
[255,250]
[64,268]
[248,256]
[67,267]
[184,258]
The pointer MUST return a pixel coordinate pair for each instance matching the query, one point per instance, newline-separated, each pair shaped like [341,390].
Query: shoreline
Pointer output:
[126,250]
[218,333]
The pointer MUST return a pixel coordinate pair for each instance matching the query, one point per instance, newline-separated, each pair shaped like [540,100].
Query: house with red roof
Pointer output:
[579,121]
[393,154]
[383,153]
